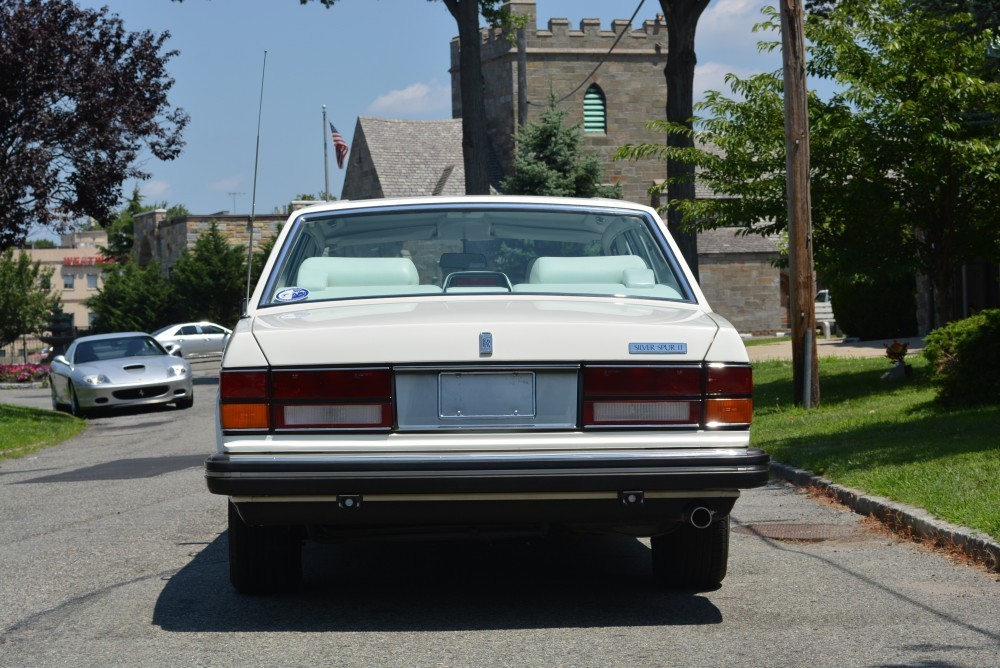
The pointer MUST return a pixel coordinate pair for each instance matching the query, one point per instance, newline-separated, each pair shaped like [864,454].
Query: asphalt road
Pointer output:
[112,553]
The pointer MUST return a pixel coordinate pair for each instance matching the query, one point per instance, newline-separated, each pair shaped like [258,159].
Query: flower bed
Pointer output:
[23,373]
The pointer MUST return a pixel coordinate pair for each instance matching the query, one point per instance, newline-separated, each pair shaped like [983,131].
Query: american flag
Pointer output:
[339,146]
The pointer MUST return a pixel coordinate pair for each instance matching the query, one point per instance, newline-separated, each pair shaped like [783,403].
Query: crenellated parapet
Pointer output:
[590,35]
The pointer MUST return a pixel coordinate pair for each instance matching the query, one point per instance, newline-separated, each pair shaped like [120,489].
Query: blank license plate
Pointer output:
[488,394]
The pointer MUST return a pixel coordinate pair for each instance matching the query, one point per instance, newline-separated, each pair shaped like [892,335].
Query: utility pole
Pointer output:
[802,307]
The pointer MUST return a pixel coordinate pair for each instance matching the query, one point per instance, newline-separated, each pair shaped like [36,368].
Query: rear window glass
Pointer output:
[509,250]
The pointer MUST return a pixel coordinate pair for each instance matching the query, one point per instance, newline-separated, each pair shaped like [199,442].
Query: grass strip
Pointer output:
[886,438]
[25,430]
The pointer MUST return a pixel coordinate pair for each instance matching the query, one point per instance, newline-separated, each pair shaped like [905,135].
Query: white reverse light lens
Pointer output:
[356,414]
[642,411]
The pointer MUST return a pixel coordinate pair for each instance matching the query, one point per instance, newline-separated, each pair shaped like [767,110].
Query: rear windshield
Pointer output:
[435,250]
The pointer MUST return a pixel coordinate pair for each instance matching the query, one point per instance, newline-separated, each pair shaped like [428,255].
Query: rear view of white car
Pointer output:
[481,365]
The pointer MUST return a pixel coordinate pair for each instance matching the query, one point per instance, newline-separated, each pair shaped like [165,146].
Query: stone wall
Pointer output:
[744,289]
[165,240]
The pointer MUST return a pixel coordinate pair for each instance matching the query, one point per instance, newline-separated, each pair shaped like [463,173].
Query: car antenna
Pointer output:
[253,197]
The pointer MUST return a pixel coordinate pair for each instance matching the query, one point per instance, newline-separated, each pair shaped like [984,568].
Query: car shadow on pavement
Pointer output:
[565,581]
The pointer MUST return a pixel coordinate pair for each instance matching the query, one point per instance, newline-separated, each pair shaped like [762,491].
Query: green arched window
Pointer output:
[595,110]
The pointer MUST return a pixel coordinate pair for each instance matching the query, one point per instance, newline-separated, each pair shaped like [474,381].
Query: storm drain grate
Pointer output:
[804,532]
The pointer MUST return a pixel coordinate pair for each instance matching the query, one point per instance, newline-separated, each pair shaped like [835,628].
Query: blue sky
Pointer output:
[386,58]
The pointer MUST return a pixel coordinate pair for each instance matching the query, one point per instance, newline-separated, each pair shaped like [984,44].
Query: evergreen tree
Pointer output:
[550,161]
[132,298]
[209,282]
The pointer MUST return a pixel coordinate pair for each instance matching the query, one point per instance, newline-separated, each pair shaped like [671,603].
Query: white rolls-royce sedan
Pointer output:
[481,365]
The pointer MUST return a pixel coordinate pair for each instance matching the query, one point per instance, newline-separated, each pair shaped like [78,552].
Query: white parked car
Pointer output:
[196,339]
[481,364]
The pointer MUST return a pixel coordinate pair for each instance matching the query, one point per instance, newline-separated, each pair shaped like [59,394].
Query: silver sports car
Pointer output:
[118,370]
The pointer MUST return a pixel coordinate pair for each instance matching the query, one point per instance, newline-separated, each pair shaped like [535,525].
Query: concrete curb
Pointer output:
[900,517]
[23,386]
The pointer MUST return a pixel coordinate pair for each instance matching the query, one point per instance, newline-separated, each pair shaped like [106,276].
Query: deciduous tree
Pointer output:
[80,97]
[26,296]
[905,158]
[681,17]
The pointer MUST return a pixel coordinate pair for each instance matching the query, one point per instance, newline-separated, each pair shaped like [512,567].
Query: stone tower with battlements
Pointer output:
[611,90]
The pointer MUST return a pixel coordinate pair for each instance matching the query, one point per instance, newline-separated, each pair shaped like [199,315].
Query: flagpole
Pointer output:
[326,161]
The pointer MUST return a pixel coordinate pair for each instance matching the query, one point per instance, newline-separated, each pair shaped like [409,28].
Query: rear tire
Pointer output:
[263,560]
[690,558]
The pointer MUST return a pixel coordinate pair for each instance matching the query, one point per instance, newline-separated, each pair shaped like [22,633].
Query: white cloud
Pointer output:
[154,190]
[416,100]
[227,184]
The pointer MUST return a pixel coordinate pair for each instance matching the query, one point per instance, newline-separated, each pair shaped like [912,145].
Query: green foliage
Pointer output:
[121,234]
[905,159]
[874,306]
[26,297]
[260,257]
[965,356]
[550,161]
[132,298]
[209,282]
[25,430]
[81,98]
[890,439]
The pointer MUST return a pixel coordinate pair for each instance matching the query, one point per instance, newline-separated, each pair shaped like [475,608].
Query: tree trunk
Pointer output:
[475,141]
[682,21]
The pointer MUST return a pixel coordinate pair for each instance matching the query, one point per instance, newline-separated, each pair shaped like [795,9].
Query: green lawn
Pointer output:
[25,430]
[889,439]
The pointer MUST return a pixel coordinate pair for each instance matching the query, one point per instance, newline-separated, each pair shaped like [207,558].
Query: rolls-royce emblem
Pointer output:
[485,343]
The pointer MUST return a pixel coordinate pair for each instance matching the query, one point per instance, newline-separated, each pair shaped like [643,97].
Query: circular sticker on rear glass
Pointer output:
[291,295]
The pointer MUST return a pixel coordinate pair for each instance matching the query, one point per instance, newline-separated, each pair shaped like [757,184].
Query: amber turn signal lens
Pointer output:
[243,416]
[728,411]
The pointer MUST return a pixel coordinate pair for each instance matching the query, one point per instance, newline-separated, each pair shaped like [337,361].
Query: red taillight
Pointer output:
[642,381]
[332,398]
[641,395]
[715,395]
[243,400]
[306,399]
[728,389]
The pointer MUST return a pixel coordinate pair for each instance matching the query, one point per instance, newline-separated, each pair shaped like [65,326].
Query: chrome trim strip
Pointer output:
[535,496]
[473,458]
[483,473]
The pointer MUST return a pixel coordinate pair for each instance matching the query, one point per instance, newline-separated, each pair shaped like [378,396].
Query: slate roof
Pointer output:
[416,157]
[728,240]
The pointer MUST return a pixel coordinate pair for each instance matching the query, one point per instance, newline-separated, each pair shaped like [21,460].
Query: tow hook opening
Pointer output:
[699,517]
[349,501]
[632,498]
